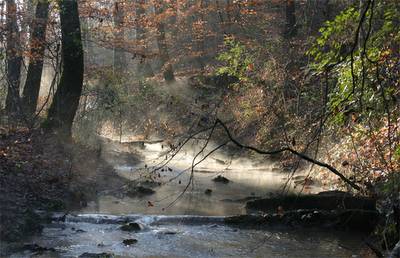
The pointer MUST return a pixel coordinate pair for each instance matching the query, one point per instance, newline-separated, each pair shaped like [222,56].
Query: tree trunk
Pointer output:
[327,10]
[119,62]
[168,71]
[362,33]
[26,21]
[290,18]
[201,37]
[2,12]
[14,60]
[37,49]
[66,100]
[143,68]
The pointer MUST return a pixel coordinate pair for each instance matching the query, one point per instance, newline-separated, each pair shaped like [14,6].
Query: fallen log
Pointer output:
[322,201]
[357,220]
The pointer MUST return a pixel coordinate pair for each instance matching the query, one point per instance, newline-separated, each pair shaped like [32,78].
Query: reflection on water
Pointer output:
[246,181]
[195,200]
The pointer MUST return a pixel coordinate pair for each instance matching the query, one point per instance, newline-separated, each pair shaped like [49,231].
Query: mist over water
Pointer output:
[247,180]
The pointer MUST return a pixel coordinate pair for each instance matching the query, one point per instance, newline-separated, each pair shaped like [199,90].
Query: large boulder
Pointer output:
[139,191]
[221,179]
[131,227]
[129,242]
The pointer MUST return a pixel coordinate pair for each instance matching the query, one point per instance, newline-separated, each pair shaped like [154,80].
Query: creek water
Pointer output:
[190,224]
[247,180]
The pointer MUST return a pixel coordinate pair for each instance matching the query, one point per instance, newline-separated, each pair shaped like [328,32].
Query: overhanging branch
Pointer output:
[288,149]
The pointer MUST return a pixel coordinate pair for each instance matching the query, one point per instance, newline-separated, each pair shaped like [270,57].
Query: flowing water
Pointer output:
[183,236]
[189,224]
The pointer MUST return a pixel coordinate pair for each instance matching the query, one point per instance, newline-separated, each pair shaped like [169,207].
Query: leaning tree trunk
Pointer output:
[14,60]
[35,68]
[66,100]
[168,71]
[290,18]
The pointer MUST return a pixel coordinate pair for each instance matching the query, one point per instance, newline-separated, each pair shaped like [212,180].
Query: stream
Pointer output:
[190,224]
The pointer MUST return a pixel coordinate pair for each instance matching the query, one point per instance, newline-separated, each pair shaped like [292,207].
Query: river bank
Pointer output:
[40,174]
[33,176]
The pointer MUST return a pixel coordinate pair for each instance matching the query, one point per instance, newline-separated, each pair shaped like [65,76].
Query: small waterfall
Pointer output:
[144,219]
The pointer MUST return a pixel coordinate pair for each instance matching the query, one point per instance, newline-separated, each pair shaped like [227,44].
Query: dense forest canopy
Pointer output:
[308,81]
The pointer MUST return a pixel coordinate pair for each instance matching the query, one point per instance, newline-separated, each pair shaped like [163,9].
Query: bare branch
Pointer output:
[288,149]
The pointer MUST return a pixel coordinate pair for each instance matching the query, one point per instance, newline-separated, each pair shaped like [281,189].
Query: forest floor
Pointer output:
[39,174]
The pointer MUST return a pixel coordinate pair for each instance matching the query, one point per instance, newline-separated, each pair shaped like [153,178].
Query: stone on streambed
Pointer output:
[35,248]
[131,226]
[149,183]
[241,200]
[139,191]
[166,232]
[208,192]
[129,242]
[221,179]
[96,255]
